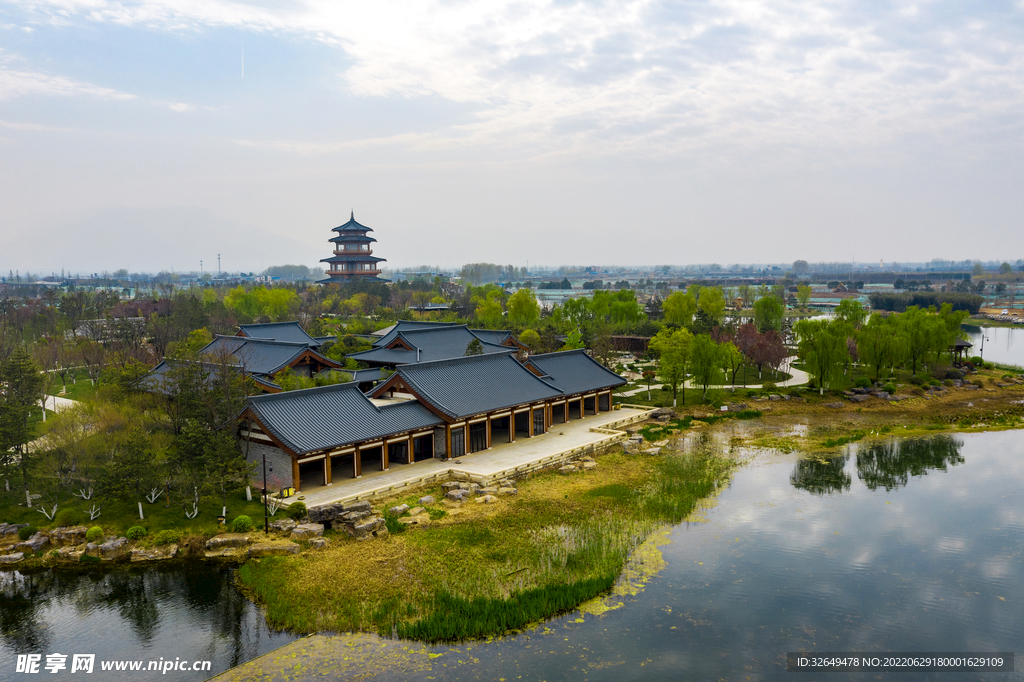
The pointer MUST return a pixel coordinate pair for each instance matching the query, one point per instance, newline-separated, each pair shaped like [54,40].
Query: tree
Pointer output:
[803,295]
[1005,269]
[879,343]
[731,359]
[768,313]
[523,309]
[531,339]
[704,362]
[673,349]
[822,349]
[851,312]
[573,340]
[712,303]
[679,308]
[978,269]
[22,384]
[474,347]
[649,376]
[799,267]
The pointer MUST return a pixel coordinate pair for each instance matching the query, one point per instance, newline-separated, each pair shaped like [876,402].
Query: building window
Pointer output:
[458,442]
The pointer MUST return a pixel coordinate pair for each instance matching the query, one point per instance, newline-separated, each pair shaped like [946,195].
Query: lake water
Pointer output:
[1002,344]
[901,545]
[192,613]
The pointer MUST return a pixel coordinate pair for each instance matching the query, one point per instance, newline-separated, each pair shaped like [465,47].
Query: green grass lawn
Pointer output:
[82,390]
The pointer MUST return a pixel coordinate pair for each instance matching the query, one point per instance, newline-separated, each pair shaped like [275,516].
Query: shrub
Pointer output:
[166,537]
[136,533]
[947,382]
[889,388]
[769,386]
[93,534]
[917,390]
[26,532]
[67,517]
[666,387]
[916,380]
[862,382]
[243,524]
[935,382]
[296,510]
[954,374]
[976,361]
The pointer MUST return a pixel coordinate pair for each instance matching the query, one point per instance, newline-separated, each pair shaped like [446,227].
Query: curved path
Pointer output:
[798,377]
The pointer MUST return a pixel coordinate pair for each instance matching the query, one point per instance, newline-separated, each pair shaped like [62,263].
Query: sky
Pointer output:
[154,135]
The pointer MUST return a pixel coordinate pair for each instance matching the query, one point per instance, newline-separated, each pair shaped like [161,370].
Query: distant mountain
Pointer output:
[151,240]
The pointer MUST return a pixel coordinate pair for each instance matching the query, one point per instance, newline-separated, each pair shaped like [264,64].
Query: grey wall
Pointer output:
[277,459]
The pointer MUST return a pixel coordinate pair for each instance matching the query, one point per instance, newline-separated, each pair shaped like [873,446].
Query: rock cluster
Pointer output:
[68,535]
[581,464]
[154,553]
[109,550]
[9,531]
[34,544]
[307,531]
[355,518]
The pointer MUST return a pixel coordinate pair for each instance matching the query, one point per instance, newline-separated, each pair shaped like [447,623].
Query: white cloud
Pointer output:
[16,82]
[180,107]
[666,76]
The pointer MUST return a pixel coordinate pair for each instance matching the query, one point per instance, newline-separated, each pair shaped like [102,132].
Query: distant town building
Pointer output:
[353,256]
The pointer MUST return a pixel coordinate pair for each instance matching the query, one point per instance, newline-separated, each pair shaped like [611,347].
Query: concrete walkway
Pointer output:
[54,403]
[562,442]
[798,377]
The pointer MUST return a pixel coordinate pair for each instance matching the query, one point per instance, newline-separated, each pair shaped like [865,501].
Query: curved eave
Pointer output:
[351,237]
[352,259]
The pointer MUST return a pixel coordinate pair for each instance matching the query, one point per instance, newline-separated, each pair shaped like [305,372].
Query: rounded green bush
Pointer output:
[862,382]
[666,387]
[769,386]
[93,534]
[136,533]
[26,532]
[166,537]
[889,388]
[948,382]
[916,380]
[67,517]
[297,510]
[241,524]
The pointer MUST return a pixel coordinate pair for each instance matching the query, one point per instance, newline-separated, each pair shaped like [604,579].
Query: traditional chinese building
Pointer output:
[353,254]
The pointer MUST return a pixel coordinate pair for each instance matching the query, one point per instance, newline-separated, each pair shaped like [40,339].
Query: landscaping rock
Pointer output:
[508,491]
[587,466]
[417,520]
[630,447]
[882,394]
[860,391]
[154,553]
[663,412]
[507,483]
[373,527]
[858,398]
[427,499]
[283,525]
[110,550]
[451,485]
[33,544]
[837,406]
[970,387]
[12,558]
[486,499]
[774,397]
[456,495]
[958,383]
[261,549]
[659,443]
[489,490]
[652,451]
[68,535]
[306,531]
[10,530]
[225,540]
[399,510]
[71,553]
[416,511]
[319,543]
[567,469]
[340,513]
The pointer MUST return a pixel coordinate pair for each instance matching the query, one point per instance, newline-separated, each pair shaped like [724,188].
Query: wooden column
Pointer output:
[328,474]
[583,408]
[597,403]
[511,427]
[412,453]
[385,456]
[448,437]
[357,463]
[565,412]
[296,481]
[529,423]
[488,433]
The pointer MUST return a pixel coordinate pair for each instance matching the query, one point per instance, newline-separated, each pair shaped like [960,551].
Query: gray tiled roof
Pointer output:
[260,356]
[279,331]
[156,380]
[573,371]
[332,416]
[435,343]
[388,334]
[495,336]
[480,383]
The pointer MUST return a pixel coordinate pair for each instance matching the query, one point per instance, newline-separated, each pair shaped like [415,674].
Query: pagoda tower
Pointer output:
[353,257]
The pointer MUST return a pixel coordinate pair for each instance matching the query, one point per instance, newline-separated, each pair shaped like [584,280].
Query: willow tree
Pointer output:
[674,347]
[822,346]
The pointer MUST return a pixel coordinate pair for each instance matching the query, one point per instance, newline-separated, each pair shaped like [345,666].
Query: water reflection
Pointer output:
[884,464]
[182,611]
[822,477]
[889,464]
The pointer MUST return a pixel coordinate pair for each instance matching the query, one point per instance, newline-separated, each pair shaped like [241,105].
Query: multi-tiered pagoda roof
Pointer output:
[353,254]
